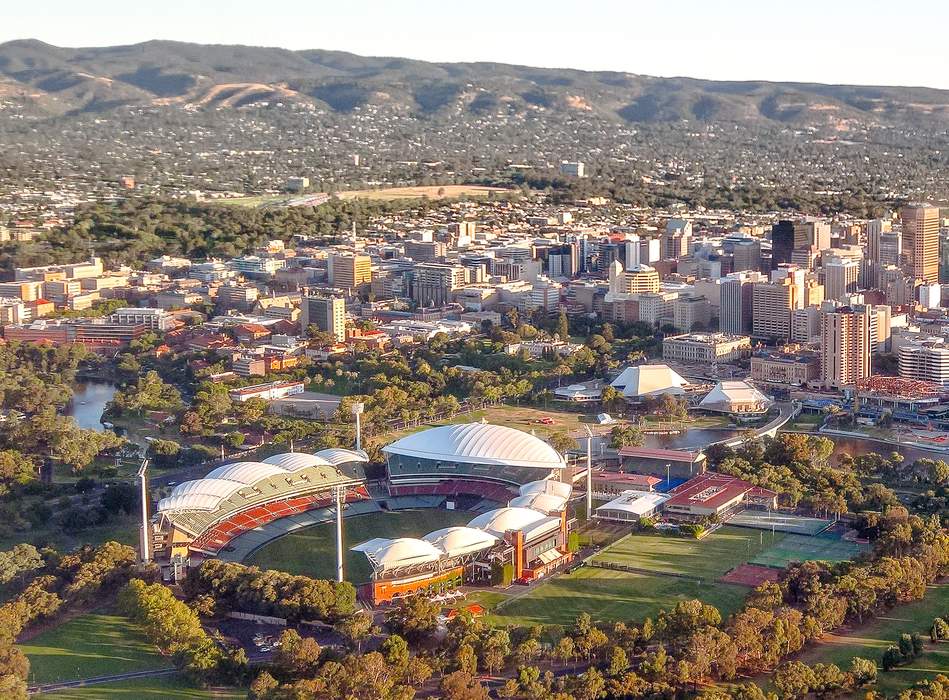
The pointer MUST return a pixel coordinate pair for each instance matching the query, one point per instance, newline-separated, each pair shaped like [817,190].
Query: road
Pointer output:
[63,685]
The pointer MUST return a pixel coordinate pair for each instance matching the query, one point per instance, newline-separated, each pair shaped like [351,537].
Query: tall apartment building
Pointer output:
[348,271]
[641,251]
[772,304]
[845,347]
[840,277]
[782,243]
[690,312]
[434,283]
[921,241]
[326,313]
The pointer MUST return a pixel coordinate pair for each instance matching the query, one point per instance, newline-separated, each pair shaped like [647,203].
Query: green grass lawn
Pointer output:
[708,558]
[609,595]
[95,644]
[160,688]
[123,529]
[313,551]
[872,639]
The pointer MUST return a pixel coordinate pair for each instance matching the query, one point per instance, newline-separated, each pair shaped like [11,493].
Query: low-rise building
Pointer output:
[706,348]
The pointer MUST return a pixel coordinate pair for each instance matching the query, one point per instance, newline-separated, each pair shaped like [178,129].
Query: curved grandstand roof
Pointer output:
[398,553]
[457,541]
[194,501]
[340,455]
[500,520]
[551,486]
[246,472]
[479,443]
[544,502]
[292,461]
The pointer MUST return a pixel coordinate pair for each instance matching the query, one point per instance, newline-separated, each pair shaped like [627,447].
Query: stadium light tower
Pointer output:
[143,478]
[357,409]
[589,471]
[339,492]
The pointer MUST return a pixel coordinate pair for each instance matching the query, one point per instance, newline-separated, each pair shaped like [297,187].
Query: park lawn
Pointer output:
[608,596]
[871,640]
[312,551]
[172,687]
[708,558]
[123,529]
[94,644]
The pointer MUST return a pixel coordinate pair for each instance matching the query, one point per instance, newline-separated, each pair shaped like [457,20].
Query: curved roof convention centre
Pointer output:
[478,443]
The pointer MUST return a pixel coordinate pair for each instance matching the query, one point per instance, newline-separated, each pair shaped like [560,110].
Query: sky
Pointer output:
[830,41]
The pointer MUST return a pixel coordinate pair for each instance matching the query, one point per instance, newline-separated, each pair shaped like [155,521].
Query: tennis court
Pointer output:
[779,522]
[798,548]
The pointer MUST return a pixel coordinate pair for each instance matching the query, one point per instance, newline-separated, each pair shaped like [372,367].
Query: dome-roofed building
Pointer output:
[641,381]
[736,398]
[552,486]
[474,451]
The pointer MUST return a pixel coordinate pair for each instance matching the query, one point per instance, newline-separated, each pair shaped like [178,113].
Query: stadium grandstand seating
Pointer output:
[457,487]
[217,537]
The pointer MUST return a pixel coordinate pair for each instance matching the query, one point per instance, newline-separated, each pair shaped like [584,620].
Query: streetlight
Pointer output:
[143,478]
[357,410]
[668,475]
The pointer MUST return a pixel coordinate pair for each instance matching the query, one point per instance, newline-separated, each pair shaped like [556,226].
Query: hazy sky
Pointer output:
[841,41]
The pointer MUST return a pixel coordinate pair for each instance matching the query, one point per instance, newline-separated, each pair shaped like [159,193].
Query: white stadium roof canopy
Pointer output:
[340,455]
[388,554]
[551,486]
[292,461]
[478,443]
[457,541]
[544,502]
[500,520]
[246,472]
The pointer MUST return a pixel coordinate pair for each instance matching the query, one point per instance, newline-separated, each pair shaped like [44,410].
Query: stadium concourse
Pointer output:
[239,507]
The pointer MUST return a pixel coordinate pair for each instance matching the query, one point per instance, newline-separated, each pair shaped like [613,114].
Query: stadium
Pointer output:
[507,479]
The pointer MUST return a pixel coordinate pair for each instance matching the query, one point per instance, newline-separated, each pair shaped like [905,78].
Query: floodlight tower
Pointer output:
[143,479]
[589,471]
[339,492]
[357,410]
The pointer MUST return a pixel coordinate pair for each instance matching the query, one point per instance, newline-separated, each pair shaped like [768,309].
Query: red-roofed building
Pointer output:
[610,484]
[649,460]
[250,333]
[715,494]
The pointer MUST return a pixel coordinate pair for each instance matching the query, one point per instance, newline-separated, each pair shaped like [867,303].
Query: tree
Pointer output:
[466,660]
[561,442]
[462,686]
[626,436]
[794,679]
[396,651]
[863,672]
[562,329]
[415,618]
[589,685]
[296,656]
[618,662]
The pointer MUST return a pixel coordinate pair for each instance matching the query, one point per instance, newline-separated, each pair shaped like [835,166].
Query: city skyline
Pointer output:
[689,39]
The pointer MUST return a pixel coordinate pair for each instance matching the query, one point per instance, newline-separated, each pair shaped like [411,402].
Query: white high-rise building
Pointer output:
[926,360]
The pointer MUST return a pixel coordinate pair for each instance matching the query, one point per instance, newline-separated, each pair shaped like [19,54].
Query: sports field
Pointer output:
[95,644]
[707,559]
[797,548]
[609,595]
[312,551]
[779,522]
[871,640]
[159,688]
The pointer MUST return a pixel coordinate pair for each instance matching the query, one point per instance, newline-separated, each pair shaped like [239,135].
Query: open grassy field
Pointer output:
[95,644]
[872,639]
[707,559]
[430,191]
[312,551]
[123,529]
[795,548]
[160,688]
[609,595]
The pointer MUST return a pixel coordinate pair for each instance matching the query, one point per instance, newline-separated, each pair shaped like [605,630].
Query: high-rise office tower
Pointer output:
[875,230]
[434,283]
[328,313]
[677,239]
[737,298]
[921,241]
[772,303]
[747,254]
[811,233]
[782,243]
[845,347]
[349,271]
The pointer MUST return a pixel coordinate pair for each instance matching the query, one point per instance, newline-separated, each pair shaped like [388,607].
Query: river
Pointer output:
[88,403]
